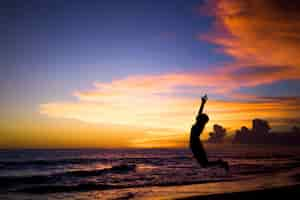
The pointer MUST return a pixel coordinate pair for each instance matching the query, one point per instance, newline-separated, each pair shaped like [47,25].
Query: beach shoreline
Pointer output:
[269,193]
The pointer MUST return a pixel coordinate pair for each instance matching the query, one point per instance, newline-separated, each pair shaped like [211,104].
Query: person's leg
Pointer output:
[214,163]
[218,163]
[200,155]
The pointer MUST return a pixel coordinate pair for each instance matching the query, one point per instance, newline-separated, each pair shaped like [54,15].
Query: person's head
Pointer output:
[202,119]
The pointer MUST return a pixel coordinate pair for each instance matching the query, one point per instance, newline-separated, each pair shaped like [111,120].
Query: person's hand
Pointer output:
[204,98]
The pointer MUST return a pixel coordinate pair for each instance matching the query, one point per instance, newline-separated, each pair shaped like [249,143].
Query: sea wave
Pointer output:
[46,179]
[255,169]
[4,165]
[32,163]
[95,186]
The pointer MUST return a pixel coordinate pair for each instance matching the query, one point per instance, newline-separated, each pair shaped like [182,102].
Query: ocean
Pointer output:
[142,173]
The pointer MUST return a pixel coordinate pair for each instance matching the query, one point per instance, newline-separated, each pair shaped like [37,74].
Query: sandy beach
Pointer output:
[278,193]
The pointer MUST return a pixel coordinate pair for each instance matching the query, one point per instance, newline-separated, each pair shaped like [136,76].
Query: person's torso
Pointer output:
[194,136]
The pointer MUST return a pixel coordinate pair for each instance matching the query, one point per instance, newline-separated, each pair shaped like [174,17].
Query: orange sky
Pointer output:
[158,109]
[164,122]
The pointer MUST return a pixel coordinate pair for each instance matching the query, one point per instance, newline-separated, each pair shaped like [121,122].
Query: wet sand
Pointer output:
[288,192]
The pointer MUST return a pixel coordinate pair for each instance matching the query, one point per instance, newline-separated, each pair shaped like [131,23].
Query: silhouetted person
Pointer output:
[196,145]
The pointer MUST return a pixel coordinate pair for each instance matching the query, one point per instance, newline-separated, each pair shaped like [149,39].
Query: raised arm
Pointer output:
[203,101]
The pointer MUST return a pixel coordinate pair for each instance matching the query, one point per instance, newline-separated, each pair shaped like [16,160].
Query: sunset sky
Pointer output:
[115,73]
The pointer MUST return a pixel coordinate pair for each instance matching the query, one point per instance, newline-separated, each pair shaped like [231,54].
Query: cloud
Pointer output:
[255,32]
[219,82]
[146,101]
[149,101]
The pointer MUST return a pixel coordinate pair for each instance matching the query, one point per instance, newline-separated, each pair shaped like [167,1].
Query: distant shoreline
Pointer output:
[277,193]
